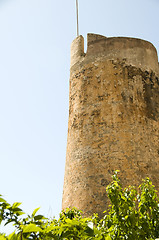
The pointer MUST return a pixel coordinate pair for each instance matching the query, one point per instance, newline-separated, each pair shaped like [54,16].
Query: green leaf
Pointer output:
[39,217]
[35,211]
[16,204]
[2,200]
[12,236]
[108,238]
[89,231]
[52,228]
[2,238]
[31,228]
[17,209]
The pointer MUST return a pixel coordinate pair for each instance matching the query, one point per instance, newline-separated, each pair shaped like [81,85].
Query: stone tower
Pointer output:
[113,118]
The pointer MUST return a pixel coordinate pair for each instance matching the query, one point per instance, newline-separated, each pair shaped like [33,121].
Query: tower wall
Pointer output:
[113,118]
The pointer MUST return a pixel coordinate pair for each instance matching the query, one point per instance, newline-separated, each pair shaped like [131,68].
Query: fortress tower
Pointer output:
[113,118]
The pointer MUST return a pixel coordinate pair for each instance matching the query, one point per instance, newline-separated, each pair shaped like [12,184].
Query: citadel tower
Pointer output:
[113,118]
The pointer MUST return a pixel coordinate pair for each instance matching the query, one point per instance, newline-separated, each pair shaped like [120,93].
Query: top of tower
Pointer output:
[136,52]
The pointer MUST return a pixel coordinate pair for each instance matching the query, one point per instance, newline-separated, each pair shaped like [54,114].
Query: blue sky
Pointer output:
[35,39]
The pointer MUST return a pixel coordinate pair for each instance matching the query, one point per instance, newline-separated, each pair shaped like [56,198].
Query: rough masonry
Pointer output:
[113,118]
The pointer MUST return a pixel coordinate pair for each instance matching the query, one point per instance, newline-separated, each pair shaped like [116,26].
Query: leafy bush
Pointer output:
[132,215]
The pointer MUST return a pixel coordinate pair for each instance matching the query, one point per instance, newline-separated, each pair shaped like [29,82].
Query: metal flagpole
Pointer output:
[77,18]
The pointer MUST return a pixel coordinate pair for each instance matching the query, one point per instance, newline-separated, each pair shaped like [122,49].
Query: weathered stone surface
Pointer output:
[113,118]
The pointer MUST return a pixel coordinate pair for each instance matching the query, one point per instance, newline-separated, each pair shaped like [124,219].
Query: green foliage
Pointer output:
[132,215]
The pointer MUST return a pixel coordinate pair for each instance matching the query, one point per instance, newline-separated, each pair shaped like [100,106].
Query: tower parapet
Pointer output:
[134,51]
[113,118]
[77,50]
